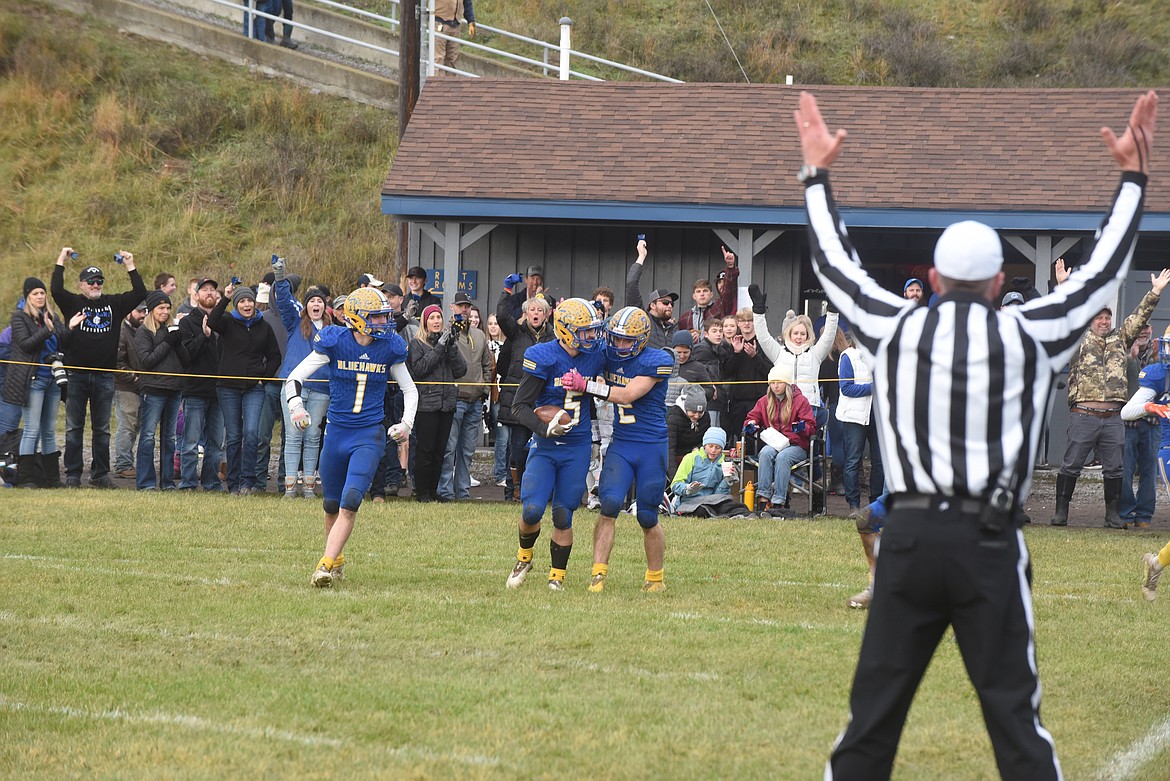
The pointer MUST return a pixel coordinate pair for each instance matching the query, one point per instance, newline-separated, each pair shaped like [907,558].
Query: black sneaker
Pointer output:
[102,482]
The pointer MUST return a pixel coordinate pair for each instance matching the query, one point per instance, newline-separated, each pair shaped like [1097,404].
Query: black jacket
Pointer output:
[682,435]
[246,349]
[28,342]
[739,366]
[432,361]
[160,351]
[520,338]
[660,332]
[202,353]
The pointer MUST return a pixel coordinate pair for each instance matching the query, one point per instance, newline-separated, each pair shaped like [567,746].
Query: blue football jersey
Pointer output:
[548,361]
[645,419]
[357,374]
[1154,377]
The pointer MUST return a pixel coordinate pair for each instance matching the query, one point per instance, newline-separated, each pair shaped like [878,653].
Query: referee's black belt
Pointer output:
[938,503]
[1100,413]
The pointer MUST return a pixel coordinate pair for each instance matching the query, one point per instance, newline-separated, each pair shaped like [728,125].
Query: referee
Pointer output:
[960,391]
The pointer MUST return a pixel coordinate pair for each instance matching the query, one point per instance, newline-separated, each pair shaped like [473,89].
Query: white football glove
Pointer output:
[557,429]
[399,432]
[298,414]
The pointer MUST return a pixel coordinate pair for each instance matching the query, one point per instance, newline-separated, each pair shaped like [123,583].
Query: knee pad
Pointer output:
[531,514]
[648,519]
[611,505]
[562,518]
[331,506]
[351,499]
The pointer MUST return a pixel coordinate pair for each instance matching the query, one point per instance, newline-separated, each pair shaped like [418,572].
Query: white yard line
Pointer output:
[199,724]
[1127,764]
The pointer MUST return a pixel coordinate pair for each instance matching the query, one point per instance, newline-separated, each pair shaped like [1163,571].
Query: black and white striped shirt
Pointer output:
[961,389]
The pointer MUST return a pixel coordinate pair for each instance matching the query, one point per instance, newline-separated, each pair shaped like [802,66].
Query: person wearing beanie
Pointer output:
[701,471]
[249,352]
[686,422]
[301,448]
[91,350]
[162,360]
[689,370]
[30,385]
[434,357]
[784,421]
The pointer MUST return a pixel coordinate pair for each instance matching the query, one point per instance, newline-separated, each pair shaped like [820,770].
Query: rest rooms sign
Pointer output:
[467,282]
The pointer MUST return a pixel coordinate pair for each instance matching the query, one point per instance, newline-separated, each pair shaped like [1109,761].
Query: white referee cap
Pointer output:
[968,251]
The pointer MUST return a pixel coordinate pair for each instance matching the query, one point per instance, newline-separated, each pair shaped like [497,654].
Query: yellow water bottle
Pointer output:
[749,496]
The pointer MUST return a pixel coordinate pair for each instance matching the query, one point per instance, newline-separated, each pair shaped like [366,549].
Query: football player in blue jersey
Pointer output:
[1150,403]
[559,459]
[361,355]
[635,381]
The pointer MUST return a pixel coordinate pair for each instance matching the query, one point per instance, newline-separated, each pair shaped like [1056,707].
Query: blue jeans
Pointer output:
[203,421]
[775,470]
[258,24]
[1139,460]
[241,427]
[302,448]
[855,436]
[270,413]
[455,481]
[10,415]
[158,409]
[40,416]
[500,464]
[92,390]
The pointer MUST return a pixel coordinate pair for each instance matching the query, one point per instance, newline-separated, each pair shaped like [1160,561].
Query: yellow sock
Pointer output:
[1164,556]
[654,576]
[600,569]
[339,562]
[326,562]
[556,574]
[524,554]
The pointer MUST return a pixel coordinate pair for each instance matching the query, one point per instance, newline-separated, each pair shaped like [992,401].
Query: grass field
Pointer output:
[177,637]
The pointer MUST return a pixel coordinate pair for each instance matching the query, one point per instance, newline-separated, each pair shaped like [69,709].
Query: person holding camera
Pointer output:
[91,351]
[35,381]
[162,359]
[435,362]
[456,481]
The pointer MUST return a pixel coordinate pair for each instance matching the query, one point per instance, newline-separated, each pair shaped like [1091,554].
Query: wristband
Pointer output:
[598,389]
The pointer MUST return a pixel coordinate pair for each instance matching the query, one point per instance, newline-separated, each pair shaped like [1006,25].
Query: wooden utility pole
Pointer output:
[410,44]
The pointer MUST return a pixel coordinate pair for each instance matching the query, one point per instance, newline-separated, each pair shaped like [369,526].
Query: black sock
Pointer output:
[559,555]
[528,541]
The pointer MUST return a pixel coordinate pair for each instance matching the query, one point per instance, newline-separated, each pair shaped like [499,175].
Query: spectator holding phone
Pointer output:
[162,358]
[784,421]
[435,362]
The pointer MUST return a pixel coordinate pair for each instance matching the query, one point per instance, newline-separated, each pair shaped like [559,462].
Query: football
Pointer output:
[549,412]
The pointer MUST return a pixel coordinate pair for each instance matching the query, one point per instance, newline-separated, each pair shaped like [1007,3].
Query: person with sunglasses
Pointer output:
[91,353]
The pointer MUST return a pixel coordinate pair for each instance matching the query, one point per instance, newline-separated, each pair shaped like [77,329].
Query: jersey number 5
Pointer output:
[573,406]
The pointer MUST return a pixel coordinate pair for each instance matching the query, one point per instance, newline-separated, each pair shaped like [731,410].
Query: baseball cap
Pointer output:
[535,271]
[369,279]
[662,293]
[393,290]
[90,272]
[417,271]
[1013,299]
[207,281]
[461,298]
[968,251]
[913,281]
[339,302]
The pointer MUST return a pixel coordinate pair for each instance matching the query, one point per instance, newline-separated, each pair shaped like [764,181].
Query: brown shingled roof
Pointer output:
[931,149]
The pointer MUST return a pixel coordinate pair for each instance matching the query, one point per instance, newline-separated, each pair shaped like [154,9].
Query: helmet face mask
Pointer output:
[363,306]
[577,326]
[627,332]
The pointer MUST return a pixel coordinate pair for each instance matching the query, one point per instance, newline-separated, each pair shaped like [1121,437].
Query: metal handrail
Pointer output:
[361,12]
[248,9]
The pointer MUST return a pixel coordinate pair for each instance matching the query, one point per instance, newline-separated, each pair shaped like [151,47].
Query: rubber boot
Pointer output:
[1064,491]
[28,471]
[1112,504]
[51,467]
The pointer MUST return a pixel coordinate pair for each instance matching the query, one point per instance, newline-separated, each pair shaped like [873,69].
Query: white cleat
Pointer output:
[322,577]
[519,572]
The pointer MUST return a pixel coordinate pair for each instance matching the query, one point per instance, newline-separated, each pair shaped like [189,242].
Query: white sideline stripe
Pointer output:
[1126,764]
[200,724]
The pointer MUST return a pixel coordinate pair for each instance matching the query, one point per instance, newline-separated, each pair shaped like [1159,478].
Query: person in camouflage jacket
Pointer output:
[1097,390]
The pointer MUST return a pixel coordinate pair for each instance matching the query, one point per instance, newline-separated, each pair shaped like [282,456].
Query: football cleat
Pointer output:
[627,332]
[364,305]
[597,585]
[577,326]
[861,600]
[322,577]
[653,586]
[519,572]
[556,585]
[1151,573]
[338,568]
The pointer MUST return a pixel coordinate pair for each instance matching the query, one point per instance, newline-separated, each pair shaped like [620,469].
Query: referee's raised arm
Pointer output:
[960,393]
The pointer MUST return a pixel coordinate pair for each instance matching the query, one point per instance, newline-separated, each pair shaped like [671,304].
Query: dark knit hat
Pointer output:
[316,292]
[31,284]
[240,293]
[156,297]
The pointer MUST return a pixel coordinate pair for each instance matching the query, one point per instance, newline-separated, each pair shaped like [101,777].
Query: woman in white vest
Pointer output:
[855,411]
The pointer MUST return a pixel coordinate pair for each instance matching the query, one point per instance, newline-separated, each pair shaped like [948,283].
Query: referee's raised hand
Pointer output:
[1132,150]
[819,147]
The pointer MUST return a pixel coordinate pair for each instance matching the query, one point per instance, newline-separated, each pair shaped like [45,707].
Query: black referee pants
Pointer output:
[937,568]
